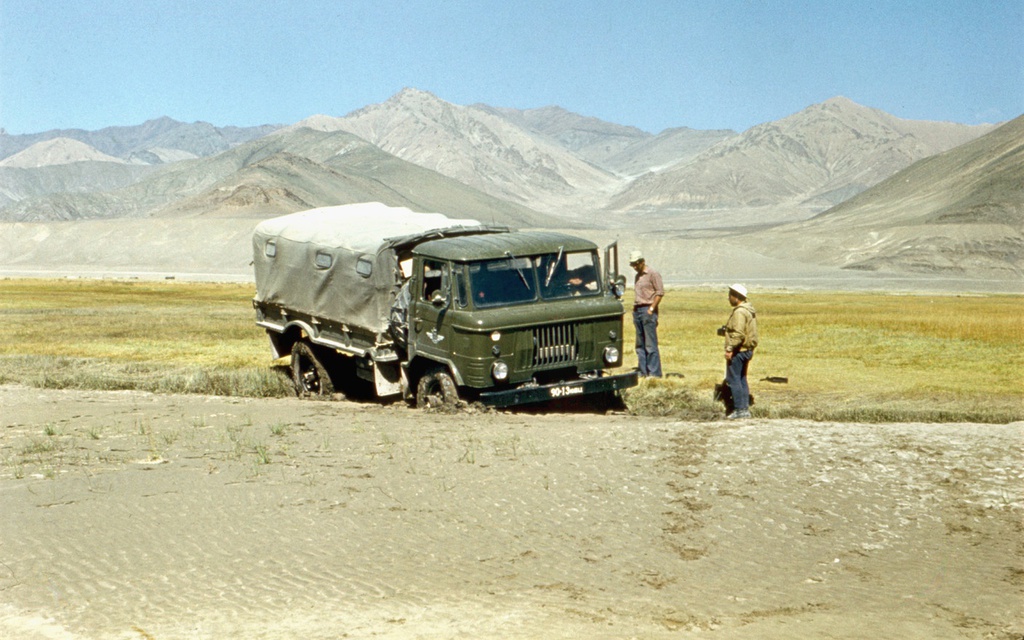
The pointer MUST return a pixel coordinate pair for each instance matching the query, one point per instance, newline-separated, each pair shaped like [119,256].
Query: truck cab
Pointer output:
[517,318]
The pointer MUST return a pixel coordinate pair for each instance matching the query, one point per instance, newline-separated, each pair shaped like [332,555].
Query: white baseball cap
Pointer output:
[740,289]
[635,256]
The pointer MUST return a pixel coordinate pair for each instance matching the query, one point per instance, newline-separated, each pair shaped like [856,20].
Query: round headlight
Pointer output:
[499,370]
[611,355]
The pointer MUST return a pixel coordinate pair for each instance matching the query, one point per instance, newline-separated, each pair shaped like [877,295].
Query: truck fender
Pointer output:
[283,338]
[421,364]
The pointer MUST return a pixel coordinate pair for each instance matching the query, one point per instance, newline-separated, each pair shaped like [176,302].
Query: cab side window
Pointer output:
[461,290]
[435,279]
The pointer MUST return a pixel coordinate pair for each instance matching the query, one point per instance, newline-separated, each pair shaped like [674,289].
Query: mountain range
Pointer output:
[144,143]
[809,174]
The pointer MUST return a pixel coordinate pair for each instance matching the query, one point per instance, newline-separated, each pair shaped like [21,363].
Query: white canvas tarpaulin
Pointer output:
[339,263]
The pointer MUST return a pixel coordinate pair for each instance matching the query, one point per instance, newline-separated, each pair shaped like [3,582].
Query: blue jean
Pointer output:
[736,378]
[647,354]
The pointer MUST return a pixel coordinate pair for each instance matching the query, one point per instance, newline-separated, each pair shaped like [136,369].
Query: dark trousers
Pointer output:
[646,325]
[736,378]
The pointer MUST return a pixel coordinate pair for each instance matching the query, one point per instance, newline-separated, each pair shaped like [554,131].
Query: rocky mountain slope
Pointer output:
[626,151]
[74,165]
[20,187]
[808,161]
[959,212]
[479,149]
[286,171]
[671,147]
[62,166]
[590,138]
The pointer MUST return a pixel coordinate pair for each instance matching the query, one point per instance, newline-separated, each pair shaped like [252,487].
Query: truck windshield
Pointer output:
[517,280]
[568,274]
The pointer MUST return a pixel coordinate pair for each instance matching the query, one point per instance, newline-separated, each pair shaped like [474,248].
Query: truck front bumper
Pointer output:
[560,391]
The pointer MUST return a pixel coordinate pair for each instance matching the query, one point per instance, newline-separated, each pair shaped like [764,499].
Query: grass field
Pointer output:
[859,356]
[155,336]
[847,356]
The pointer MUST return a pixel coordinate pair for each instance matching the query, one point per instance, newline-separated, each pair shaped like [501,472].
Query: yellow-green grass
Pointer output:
[158,336]
[847,356]
[859,356]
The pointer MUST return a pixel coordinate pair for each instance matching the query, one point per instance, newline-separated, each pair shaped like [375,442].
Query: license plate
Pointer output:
[566,390]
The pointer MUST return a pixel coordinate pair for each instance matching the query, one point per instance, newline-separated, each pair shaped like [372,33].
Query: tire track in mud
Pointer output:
[688,512]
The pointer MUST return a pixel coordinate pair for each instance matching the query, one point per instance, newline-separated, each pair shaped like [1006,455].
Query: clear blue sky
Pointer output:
[654,64]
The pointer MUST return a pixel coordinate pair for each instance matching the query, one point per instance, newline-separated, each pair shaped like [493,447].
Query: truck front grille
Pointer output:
[555,345]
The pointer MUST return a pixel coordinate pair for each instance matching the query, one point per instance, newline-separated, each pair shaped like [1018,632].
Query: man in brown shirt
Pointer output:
[648,291]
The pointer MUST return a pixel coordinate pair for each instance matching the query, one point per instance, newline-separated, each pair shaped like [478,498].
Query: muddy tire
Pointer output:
[309,375]
[436,389]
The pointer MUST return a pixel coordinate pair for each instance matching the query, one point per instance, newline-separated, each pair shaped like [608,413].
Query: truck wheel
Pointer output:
[609,401]
[436,389]
[308,373]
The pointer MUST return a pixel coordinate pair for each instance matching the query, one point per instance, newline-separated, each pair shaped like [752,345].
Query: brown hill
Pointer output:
[959,212]
[805,162]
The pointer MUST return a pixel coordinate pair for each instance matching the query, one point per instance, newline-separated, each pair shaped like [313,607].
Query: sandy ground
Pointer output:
[131,515]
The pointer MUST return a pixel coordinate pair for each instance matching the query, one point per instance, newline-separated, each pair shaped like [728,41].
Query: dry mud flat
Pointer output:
[130,515]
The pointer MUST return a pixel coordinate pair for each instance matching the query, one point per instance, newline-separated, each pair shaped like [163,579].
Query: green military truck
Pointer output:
[434,309]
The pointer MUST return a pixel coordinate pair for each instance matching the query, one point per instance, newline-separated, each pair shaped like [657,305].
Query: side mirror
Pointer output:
[619,287]
[438,299]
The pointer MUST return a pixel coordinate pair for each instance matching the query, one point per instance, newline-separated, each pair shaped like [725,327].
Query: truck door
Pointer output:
[615,282]
[432,300]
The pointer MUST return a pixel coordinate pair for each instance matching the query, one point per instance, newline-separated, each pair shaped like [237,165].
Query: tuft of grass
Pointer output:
[262,453]
[36,447]
[670,397]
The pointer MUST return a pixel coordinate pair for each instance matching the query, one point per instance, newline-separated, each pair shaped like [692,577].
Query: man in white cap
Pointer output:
[648,291]
[740,342]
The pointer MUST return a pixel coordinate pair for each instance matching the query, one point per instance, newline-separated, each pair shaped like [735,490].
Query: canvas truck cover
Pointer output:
[339,262]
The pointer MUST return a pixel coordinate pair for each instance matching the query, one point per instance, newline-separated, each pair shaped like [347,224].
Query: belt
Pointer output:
[640,306]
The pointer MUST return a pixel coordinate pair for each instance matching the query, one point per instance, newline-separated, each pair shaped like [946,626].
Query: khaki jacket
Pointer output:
[741,328]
